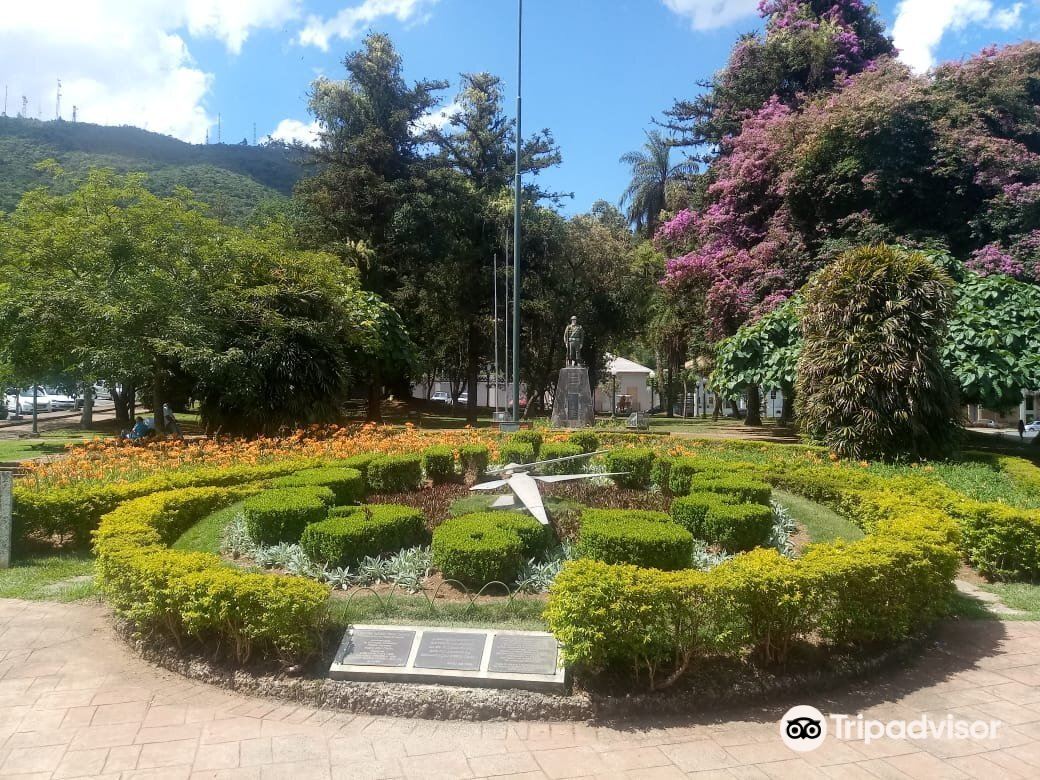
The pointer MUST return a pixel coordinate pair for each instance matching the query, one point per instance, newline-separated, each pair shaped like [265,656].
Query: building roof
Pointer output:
[620,365]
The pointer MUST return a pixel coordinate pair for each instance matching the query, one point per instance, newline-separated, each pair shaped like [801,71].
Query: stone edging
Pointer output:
[438,702]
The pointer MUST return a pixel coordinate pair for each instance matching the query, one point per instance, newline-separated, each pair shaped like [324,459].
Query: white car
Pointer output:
[1033,427]
[58,399]
[23,399]
[441,396]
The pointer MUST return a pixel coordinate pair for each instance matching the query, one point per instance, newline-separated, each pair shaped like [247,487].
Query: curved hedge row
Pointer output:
[346,484]
[352,533]
[194,596]
[485,547]
[880,588]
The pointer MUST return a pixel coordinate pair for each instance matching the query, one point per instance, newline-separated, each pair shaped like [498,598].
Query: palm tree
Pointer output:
[651,172]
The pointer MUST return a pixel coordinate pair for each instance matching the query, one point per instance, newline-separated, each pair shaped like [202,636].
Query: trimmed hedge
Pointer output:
[718,519]
[661,471]
[280,515]
[741,488]
[194,596]
[394,473]
[648,539]
[638,462]
[528,436]
[561,450]
[438,463]
[353,533]
[74,512]
[473,459]
[882,588]
[486,547]
[516,452]
[347,485]
[586,440]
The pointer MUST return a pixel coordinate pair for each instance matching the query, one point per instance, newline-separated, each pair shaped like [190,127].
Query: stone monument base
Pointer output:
[573,407]
[481,658]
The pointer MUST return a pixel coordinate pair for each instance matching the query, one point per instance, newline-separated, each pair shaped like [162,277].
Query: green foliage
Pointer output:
[275,516]
[188,595]
[516,452]
[661,472]
[738,486]
[347,485]
[586,440]
[870,379]
[561,450]
[718,519]
[763,353]
[486,547]
[359,462]
[684,470]
[638,462]
[528,436]
[438,463]
[394,473]
[647,539]
[353,533]
[1002,542]
[473,458]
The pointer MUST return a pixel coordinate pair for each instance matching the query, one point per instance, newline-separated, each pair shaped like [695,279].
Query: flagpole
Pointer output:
[516,216]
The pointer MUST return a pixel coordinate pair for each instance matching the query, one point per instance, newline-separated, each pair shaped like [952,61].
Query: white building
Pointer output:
[624,381]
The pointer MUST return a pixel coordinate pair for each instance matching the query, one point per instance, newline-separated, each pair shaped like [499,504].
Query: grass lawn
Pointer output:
[207,534]
[404,609]
[821,524]
[1024,596]
[49,577]
[48,443]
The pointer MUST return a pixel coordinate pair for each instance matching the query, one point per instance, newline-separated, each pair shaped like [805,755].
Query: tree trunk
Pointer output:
[157,401]
[754,405]
[472,374]
[735,408]
[375,399]
[121,399]
[86,419]
[787,410]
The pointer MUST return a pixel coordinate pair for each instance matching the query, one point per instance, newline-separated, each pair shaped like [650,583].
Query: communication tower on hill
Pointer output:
[57,101]
[25,107]
[74,109]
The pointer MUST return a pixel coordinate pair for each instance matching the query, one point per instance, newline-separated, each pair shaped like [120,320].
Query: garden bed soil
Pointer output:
[611,698]
[437,588]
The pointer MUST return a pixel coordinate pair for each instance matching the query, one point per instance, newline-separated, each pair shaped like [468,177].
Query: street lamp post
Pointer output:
[613,392]
[516,215]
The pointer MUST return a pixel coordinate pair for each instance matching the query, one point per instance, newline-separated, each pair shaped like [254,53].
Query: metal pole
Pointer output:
[495,304]
[516,215]
[35,426]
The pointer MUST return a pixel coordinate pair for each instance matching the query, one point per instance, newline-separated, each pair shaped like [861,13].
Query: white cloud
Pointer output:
[710,14]
[921,24]
[352,21]
[124,61]
[293,131]
[438,118]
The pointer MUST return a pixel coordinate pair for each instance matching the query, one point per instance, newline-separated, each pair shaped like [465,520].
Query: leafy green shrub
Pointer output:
[529,436]
[683,471]
[185,595]
[516,452]
[636,461]
[738,527]
[353,533]
[394,473]
[691,511]
[359,462]
[476,550]
[439,464]
[647,539]
[741,488]
[560,450]
[1002,542]
[473,459]
[347,485]
[661,471]
[871,380]
[74,511]
[586,440]
[281,515]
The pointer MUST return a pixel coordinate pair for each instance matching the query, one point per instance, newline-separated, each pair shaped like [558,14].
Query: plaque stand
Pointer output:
[572,407]
[451,656]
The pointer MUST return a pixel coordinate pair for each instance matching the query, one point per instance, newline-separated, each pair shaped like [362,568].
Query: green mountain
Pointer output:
[232,178]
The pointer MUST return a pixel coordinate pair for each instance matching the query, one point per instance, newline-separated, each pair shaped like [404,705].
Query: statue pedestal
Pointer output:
[573,407]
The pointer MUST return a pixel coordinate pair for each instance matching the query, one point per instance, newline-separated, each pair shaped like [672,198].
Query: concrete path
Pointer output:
[74,702]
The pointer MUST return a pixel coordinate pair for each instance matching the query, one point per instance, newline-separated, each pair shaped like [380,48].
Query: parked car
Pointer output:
[58,399]
[23,399]
[463,399]
[441,396]
[1033,427]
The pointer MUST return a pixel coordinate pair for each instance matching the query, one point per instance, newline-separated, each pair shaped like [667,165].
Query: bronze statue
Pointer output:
[573,338]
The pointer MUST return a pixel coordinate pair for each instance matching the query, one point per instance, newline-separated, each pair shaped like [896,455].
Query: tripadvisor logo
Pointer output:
[804,728]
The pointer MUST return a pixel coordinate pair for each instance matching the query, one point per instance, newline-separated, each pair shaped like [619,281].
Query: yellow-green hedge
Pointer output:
[879,589]
[194,596]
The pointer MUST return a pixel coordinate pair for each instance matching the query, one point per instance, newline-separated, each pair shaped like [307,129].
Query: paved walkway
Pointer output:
[74,702]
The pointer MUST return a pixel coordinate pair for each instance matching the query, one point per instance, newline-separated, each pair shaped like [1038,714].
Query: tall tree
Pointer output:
[368,165]
[652,171]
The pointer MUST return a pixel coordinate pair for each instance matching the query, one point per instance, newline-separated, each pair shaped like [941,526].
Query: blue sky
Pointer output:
[596,71]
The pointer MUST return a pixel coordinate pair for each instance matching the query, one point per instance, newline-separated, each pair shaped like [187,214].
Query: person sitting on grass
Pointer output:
[142,430]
